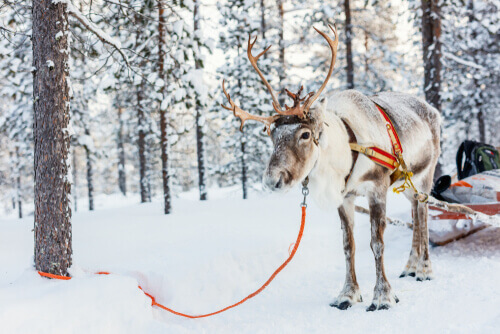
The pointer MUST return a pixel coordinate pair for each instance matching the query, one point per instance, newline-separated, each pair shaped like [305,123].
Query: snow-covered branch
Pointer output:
[461,61]
[98,32]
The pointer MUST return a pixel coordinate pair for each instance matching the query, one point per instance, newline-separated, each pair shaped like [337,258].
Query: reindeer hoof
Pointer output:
[405,274]
[342,306]
[374,307]
[383,300]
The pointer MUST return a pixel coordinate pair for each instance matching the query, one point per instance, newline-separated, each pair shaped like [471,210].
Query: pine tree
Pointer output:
[248,150]
[51,103]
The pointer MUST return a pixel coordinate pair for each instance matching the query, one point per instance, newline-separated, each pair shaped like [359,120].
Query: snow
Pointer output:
[209,254]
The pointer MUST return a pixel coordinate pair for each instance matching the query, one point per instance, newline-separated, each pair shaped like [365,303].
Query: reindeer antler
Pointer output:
[298,109]
[244,116]
[333,47]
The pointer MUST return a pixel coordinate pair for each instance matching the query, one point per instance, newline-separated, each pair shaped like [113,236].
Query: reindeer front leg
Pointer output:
[350,293]
[383,297]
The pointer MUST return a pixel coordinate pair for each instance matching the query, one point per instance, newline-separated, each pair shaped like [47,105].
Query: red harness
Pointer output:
[397,149]
[377,155]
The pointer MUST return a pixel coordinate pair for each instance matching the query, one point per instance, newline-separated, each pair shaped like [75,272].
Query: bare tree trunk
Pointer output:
[75,180]
[431,32]
[163,112]
[263,21]
[141,142]
[200,149]
[366,54]
[12,180]
[90,174]
[243,168]
[122,176]
[18,187]
[52,224]
[477,100]
[282,47]
[348,45]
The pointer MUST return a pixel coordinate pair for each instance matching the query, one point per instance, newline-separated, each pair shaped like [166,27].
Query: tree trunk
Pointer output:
[348,45]
[19,203]
[478,100]
[90,175]
[243,168]
[75,180]
[163,112]
[51,139]
[263,21]
[200,150]
[141,142]
[122,176]
[282,76]
[18,186]
[431,32]
[366,55]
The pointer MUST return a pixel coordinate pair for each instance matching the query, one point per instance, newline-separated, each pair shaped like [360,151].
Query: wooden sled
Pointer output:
[445,226]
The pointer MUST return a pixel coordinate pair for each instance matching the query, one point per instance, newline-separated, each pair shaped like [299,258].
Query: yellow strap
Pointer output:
[371,153]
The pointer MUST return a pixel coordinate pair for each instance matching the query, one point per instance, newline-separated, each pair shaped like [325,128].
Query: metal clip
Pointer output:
[305,192]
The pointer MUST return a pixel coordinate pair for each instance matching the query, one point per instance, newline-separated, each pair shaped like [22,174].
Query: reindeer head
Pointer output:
[296,129]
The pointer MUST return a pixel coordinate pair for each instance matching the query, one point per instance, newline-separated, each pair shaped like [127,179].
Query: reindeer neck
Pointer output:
[333,164]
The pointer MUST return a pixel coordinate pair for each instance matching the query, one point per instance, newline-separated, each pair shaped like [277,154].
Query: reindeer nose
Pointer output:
[279,184]
[274,181]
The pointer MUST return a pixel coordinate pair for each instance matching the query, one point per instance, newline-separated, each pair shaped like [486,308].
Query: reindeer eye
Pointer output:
[305,135]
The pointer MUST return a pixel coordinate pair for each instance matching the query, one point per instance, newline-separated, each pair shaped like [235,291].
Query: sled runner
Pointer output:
[480,192]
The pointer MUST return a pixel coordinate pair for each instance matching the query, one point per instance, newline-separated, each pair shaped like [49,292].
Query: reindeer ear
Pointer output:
[316,114]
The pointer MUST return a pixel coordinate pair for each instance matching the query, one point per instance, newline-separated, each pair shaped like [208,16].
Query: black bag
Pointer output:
[474,157]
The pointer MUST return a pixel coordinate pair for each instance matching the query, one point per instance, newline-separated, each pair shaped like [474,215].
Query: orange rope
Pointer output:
[253,294]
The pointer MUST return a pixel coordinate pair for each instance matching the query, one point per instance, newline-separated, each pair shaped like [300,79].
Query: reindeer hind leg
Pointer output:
[424,267]
[411,266]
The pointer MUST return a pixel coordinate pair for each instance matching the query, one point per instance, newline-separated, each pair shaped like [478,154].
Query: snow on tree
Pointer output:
[471,77]
[369,57]
[16,97]
[247,151]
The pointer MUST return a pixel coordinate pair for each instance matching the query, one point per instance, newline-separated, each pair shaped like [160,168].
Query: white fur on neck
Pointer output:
[327,179]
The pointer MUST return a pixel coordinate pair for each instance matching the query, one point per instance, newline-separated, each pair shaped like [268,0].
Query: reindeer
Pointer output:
[322,143]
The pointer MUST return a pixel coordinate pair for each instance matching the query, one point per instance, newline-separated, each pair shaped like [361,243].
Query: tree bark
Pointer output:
[167,207]
[18,187]
[431,32]
[348,45]
[12,180]
[75,181]
[477,100]
[243,168]
[90,174]
[52,218]
[122,176]
[200,144]
[141,142]
[282,76]
[263,21]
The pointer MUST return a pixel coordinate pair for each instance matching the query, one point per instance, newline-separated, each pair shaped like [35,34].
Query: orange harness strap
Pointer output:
[253,294]
[379,156]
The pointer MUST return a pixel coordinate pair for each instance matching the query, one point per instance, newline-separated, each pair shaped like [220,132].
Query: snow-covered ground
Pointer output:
[207,255]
